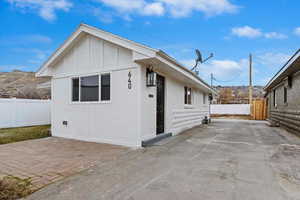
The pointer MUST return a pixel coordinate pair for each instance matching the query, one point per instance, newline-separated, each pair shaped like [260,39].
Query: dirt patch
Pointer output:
[12,188]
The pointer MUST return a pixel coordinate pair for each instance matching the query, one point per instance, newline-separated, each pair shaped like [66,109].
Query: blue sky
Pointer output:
[33,29]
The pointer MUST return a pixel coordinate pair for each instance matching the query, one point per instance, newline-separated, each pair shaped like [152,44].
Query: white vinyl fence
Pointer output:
[24,112]
[230,109]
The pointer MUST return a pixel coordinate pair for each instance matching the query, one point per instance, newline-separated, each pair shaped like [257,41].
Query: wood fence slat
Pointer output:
[259,109]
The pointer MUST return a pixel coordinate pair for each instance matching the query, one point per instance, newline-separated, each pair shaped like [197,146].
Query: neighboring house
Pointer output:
[104,90]
[283,95]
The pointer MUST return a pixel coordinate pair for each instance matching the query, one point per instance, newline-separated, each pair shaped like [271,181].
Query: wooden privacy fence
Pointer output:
[259,109]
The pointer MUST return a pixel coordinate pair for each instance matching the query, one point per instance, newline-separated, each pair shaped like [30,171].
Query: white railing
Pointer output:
[24,112]
[230,109]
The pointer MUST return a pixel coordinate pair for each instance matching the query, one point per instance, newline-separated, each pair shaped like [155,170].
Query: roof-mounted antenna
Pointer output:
[200,60]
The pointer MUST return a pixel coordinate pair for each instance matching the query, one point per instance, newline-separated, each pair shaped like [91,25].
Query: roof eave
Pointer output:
[282,70]
[174,61]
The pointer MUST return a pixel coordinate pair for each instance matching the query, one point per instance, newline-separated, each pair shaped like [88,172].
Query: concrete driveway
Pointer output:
[229,159]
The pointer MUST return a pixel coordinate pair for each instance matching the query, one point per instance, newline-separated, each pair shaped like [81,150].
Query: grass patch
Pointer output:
[12,188]
[9,135]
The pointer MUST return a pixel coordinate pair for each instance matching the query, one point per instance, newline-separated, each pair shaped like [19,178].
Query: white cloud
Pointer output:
[297,31]
[182,8]
[223,70]
[37,38]
[272,60]
[45,8]
[154,9]
[36,56]
[246,31]
[250,32]
[275,35]
[25,39]
[103,16]
[176,8]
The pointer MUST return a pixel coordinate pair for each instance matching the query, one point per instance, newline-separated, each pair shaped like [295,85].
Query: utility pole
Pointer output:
[250,79]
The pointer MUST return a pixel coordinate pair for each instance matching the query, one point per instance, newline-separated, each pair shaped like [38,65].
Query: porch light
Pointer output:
[150,78]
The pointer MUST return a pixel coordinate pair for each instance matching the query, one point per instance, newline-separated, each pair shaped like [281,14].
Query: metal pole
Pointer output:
[250,79]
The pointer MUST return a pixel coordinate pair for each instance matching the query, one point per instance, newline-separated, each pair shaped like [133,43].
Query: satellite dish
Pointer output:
[199,56]
[199,59]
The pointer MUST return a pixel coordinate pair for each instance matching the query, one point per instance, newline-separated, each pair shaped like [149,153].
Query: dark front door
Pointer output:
[160,107]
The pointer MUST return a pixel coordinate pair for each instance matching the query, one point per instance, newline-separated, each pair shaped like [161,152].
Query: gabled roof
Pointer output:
[83,29]
[137,47]
[290,67]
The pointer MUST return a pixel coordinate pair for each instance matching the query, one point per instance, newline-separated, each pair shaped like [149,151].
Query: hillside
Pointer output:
[238,94]
[22,84]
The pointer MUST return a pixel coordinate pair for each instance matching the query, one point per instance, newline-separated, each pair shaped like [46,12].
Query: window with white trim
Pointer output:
[187,95]
[92,88]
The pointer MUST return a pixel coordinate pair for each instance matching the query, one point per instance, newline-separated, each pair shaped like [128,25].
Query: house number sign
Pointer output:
[129,80]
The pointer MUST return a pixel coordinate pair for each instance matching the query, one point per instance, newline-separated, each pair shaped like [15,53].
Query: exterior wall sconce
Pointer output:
[150,78]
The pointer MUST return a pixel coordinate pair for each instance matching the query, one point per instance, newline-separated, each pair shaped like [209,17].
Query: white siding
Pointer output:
[114,122]
[90,55]
[178,117]
[130,117]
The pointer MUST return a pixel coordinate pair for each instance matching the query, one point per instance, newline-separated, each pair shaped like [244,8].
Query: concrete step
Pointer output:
[158,138]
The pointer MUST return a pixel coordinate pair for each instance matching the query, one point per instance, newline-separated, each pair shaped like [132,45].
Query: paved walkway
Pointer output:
[51,159]
[228,160]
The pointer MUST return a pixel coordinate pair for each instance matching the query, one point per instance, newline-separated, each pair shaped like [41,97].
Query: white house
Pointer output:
[104,90]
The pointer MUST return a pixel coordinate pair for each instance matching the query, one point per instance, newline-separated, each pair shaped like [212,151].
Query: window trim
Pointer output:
[186,88]
[99,83]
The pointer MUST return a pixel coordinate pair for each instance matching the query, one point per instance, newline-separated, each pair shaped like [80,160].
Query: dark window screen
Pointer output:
[189,94]
[89,86]
[75,89]
[185,95]
[274,98]
[285,95]
[105,87]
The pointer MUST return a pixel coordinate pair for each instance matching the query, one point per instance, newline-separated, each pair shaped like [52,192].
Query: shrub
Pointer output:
[12,188]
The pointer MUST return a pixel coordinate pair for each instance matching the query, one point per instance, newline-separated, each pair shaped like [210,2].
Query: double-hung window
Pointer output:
[187,95]
[93,88]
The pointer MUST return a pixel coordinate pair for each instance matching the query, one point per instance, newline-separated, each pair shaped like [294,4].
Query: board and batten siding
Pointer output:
[108,122]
